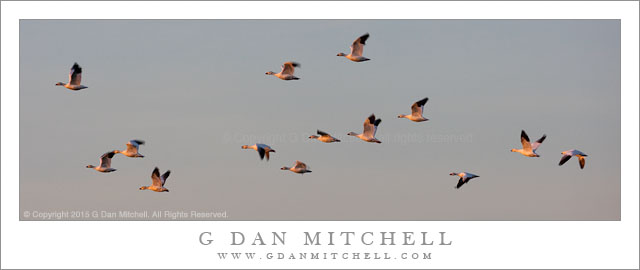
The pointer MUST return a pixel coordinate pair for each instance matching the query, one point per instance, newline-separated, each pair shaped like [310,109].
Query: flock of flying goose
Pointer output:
[367,135]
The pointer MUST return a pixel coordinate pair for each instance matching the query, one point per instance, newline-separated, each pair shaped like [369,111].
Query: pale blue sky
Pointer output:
[196,91]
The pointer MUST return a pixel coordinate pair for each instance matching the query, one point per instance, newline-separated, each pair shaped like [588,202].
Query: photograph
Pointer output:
[319,135]
[463,120]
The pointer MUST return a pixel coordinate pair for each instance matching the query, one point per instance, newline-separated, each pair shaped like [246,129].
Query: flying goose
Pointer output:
[464,178]
[416,111]
[157,181]
[132,149]
[299,167]
[262,149]
[324,137]
[370,128]
[75,76]
[529,149]
[573,152]
[356,49]
[287,71]
[105,163]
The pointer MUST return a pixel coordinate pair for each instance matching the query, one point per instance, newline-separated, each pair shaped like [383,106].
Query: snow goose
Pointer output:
[416,111]
[356,49]
[287,71]
[157,181]
[262,149]
[370,128]
[566,155]
[299,167]
[324,137]
[132,149]
[105,163]
[75,76]
[464,178]
[529,149]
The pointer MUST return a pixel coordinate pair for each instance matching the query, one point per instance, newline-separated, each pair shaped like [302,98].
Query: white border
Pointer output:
[476,244]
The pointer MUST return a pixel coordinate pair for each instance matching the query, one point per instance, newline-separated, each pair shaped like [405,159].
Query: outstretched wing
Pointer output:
[155,177]
[75,76]
[132,146]
[105,159]
[261,151]
[164,176]
[461,182]
[417,108]
[289,67]
[358,45]
[564,159]
[581,159]
[536,144]
[322,133]
[369,128]
[524,139]
[300,165]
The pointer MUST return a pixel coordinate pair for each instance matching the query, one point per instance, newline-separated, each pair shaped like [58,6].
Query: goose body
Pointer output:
[105,163]
[263,149]
[370,128]
[298,167]
[287,71]
[416,111]
[324,137]
[566,155]
[157,181]
[75,78]
[464,178]
[356,49]
[529,149]
[132,149]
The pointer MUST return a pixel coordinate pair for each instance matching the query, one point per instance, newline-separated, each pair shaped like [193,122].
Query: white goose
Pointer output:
[529,149]
[262,149]
[287,71]
[356,49]
[416,111]
[157,181]
[75,76]
[566,155]
[464,178]
[324,137]
[370,128]
[105,163]
[299,167]
[132,149]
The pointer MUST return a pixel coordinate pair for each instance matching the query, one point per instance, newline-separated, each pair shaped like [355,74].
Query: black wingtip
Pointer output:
[364,38]
[422,101]
[542,138]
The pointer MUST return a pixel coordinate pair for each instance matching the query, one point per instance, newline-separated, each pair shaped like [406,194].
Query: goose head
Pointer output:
[144,187]
[60,83]
[284,168]
[90,166]
[401,116]
[313,137]
[341,54]
[514,150]
[453,173]
[245,146]
[269,73]
[352,134]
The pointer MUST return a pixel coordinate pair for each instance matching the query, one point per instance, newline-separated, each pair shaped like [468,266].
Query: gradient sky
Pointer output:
[195,91]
